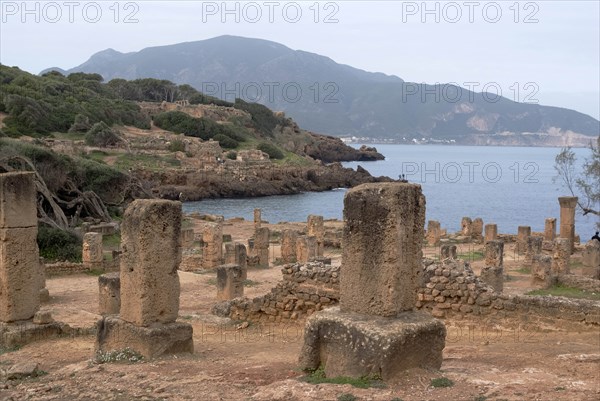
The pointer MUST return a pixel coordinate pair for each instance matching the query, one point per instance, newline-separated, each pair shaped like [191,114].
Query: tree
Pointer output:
[586,184]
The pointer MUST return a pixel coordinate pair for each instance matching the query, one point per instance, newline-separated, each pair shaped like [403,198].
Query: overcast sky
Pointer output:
[537,50]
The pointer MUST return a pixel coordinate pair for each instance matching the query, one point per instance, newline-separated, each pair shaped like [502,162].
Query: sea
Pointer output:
[508,186]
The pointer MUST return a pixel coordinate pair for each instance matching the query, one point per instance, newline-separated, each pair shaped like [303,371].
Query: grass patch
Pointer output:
[250,283]
[559,290]
[111,241]
[95,272]
[151,162]
[576,265]
[124,355]
[472,255]
[524,270]
[441,382]
[211,281]
[318,377]
[6,350]
[347,397]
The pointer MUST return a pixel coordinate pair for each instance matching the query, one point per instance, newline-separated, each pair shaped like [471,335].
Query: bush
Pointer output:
[81,124]
[102,135]
[231,155]
[441,382]
[225,141]
[273,151]
[177,146]
[58,245]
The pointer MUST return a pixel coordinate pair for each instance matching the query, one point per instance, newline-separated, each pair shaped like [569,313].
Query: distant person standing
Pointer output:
[596,236]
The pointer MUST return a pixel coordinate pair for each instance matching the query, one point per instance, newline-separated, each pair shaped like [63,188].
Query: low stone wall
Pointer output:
[65,268]
[304,290]
[450,289]
[583,283]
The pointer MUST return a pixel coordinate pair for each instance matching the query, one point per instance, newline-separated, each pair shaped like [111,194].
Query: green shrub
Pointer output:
[58,245]
[81,124]
[231,155]
[102,135]
[225,141]
[177,146]
[346,397]
[273,151]
[441,382]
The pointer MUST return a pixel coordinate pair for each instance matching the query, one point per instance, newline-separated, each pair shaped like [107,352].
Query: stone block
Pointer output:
[17,200]
[91,254]
[494,253]
[381,257]
[491,232]
[151,253]
[541,271]
[494,277]
[114,334]
[230,282]
[523,232]
[591,259]
[357,345]
[26,331]
[109,294]
[21,274]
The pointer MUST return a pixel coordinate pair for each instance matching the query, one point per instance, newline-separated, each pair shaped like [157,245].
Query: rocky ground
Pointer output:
[485,359]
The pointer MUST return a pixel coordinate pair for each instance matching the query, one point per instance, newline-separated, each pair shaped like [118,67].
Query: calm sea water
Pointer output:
[509,186]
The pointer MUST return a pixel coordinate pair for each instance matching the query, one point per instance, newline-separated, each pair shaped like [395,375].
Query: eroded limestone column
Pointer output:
[591,259]
[21,274]
[109,293]
[493,271]
[187,238]
[212,251]
[466,225]
[448,252]
[257,218]
[316,228]
[151,253]
[550,229]
[241,256]
[541,271]
[434,231]
[230,282]
[567,219]
[561,256]
[261,246]
[491,232]
[382,253]
[477,230]
[523,233]
[306,249]
[534,247]
[91,254]
[229,253]
[288,246]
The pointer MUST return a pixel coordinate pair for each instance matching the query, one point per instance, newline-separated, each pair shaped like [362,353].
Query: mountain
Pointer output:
[327,97]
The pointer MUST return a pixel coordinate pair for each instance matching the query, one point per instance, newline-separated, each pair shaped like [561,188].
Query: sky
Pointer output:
[545,52]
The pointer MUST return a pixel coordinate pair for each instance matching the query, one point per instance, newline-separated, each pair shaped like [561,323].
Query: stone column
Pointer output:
[187,238]
[434,231]
[92,250]
[493,271]
[550,229]
[109,294]
[567,218]
[230,282]
[591,259]
[374,330]
[261,246]
[541,271]
[523,233]
[316,229]
[229,254]
[306,249]
[241,255]
[151,253]
[288,246]
[534,247]
[21,274]
[466,226]
[212,251]
[257,219]
[477,230]
[491,232]
[383,233]
[561,256]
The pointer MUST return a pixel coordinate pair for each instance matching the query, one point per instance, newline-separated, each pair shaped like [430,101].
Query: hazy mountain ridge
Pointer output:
[348,101]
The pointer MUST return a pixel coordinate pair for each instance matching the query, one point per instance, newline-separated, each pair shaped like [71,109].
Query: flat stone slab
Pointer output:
[355,345]
[114,334]
[25,332]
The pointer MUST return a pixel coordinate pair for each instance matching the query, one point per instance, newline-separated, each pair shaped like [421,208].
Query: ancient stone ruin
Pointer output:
[493,271]
[466,227]
[288,246]
[491,232]
[567,219]
[235,254]
[92,250]
[212,251]
[151,253]
[434,232]
[21,273]
[230,282]
[591,259]
[375,331]
[261,246]
[257,219]
[477,230]
[306,249]
[109,293]
[316,228]
[523,232]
